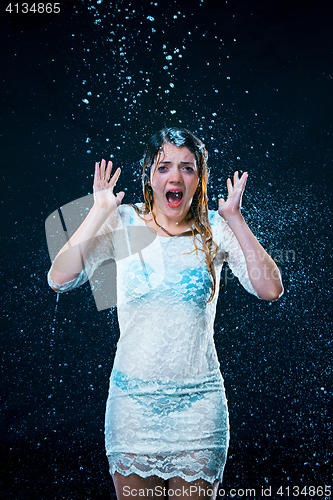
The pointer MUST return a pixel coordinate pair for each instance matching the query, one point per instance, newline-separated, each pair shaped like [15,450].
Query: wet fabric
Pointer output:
[166,412]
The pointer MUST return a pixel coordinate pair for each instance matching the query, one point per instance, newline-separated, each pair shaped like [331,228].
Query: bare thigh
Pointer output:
[179,489]
[134,486]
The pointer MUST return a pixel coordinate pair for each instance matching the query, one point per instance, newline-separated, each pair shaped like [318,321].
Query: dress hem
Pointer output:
[165,476]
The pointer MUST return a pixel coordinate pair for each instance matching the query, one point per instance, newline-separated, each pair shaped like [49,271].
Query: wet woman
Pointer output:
[166,423]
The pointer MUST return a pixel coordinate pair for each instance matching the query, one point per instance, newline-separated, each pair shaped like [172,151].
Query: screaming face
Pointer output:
[174,181]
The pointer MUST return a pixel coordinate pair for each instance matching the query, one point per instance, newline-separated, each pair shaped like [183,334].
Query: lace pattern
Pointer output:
[189,466]
[166,412]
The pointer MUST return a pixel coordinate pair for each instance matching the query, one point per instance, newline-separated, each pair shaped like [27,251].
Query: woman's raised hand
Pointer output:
[103,187]
[232,207]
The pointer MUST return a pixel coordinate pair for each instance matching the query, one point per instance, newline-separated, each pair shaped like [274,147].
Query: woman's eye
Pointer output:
[189,169]
[162,168]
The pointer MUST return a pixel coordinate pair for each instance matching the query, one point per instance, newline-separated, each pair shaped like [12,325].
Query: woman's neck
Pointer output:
[167,226]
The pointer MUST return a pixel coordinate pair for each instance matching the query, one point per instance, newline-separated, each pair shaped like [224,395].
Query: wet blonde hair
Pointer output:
[199,208]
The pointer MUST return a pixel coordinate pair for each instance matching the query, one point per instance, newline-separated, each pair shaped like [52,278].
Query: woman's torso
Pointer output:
[165,317]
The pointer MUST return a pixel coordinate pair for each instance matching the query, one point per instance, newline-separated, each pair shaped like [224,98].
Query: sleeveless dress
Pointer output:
[166,412]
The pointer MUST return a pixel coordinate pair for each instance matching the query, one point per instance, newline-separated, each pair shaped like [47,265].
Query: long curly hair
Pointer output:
[199,208]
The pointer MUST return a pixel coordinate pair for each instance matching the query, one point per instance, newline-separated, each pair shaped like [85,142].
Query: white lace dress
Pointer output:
[166,412]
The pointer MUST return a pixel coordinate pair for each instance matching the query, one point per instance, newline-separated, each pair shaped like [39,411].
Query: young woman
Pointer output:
[166,415]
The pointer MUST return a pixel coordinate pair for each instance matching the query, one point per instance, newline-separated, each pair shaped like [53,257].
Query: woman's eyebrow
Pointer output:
[185,162]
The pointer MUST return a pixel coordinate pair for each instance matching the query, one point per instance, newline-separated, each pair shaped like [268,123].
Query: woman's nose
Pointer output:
[175,175]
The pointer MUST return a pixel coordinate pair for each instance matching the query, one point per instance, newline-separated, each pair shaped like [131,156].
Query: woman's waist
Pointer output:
[161,385]
[176,361]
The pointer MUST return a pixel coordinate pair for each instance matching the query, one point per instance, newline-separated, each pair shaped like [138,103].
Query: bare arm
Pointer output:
[263,272]
[69,262]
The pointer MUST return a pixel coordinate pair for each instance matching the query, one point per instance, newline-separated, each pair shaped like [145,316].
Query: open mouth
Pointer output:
[174,198]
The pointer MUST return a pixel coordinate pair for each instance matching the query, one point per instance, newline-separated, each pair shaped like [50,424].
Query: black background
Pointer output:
[254,81]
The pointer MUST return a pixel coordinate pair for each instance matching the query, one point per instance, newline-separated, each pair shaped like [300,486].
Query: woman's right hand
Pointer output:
[103,187]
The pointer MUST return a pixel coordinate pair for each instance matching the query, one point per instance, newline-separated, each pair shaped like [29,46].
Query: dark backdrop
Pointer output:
[252,78]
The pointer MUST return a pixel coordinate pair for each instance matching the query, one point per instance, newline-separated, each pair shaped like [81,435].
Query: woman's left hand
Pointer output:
[263,271]
[232,207]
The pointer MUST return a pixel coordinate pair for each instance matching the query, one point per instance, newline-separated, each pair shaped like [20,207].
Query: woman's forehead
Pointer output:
[170,152]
